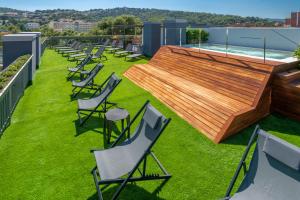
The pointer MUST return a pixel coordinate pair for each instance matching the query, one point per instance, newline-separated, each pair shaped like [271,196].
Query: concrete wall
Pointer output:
[38,46]
[16,45]
[151,38]
[276,38]
[172,34]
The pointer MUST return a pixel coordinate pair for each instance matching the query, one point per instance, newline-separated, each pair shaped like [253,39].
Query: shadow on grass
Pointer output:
[273,123]
[132,191]
[94,123]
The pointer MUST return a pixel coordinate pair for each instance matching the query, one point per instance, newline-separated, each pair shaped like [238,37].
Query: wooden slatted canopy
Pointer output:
[217,95]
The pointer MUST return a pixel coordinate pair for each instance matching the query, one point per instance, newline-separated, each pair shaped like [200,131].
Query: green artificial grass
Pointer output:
[44,155]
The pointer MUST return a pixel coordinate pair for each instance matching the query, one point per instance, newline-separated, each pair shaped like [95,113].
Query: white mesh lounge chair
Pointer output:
[79,67]
[69,44]
[127,51]
[273,173]
[73,47]
[137,53]
[99,100]
[119,46]
[98,55]
[85,53]
[78,50]
[120,163]
[88,82]
[112,45]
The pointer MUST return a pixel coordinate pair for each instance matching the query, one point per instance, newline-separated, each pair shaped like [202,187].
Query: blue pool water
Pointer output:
[249,51]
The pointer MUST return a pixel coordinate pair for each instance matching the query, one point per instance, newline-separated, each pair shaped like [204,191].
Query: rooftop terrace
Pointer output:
[45,155]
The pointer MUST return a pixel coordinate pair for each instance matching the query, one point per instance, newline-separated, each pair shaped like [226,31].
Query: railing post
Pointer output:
[227,36]
[199,39]
[265,49]
[180,36]
[165,36]
[142,35]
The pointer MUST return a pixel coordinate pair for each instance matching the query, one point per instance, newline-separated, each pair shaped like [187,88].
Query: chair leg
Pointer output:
[94,172]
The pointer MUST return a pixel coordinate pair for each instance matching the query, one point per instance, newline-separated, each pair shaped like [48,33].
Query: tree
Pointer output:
[120,25]
[13,29]
[48,32]
[193,35]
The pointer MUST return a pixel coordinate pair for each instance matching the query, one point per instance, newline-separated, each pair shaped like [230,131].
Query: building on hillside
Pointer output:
[79,26]
[294,20]
[32,26]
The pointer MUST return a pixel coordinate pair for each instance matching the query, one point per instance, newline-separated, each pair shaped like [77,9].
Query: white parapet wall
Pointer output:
[287,39]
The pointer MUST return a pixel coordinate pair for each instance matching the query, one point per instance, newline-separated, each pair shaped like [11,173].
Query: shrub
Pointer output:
[297,52]
[11,70]
[193,35]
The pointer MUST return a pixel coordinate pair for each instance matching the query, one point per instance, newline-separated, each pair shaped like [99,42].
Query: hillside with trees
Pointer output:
[145,14]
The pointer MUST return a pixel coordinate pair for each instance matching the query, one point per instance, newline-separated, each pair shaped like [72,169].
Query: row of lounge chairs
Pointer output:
[119,163]
[273,172]
[75,50]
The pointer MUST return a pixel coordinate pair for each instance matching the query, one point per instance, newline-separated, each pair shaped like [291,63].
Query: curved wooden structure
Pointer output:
[217,95]
[286,90]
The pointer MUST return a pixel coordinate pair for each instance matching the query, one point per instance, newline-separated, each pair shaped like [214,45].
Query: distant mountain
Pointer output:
[4,10]
[154,15]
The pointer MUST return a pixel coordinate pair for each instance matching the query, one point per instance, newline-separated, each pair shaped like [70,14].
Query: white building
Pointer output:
[32,26]
[79,26]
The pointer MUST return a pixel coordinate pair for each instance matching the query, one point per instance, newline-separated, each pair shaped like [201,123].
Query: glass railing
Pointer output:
[257,43]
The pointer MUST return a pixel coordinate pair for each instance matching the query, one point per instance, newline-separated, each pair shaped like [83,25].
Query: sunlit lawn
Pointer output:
[44,155]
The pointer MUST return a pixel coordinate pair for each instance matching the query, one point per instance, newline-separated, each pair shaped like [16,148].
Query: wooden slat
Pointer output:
[218,96]
[286,91]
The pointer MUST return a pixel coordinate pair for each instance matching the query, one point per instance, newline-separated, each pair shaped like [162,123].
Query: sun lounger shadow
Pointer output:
[95,124]
[133,190]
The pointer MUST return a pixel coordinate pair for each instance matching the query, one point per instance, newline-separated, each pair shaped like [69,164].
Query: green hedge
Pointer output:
[297,52]
[11,70]
[193,35]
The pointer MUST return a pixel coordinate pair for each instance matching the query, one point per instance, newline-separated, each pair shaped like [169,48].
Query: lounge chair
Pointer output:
[98,54]
[103,44]
[127,51]
[91,105]
[88,82]
[118,164]
[68,44]
[80,48]
[119,46]
[112,45]
[75,45]
[137,52]
[85,53]
[79,67]
[273,173]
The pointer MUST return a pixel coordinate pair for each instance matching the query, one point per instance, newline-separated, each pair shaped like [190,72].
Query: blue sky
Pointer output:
[261,8]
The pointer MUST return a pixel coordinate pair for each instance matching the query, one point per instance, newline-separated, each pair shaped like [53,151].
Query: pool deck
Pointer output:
[217,94]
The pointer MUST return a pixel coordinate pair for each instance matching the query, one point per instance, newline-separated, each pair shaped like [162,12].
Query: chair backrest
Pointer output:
[112,82]
[81,46]
[145,135]
[120,44]
[93,73]
[100,51]
[114,43]
[106,43]
[86,60]
[72,43]
[89,49]
[274,171]
[137,49]
[128,47]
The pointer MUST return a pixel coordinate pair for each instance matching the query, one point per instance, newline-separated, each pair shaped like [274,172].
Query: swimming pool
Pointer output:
[248,51]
